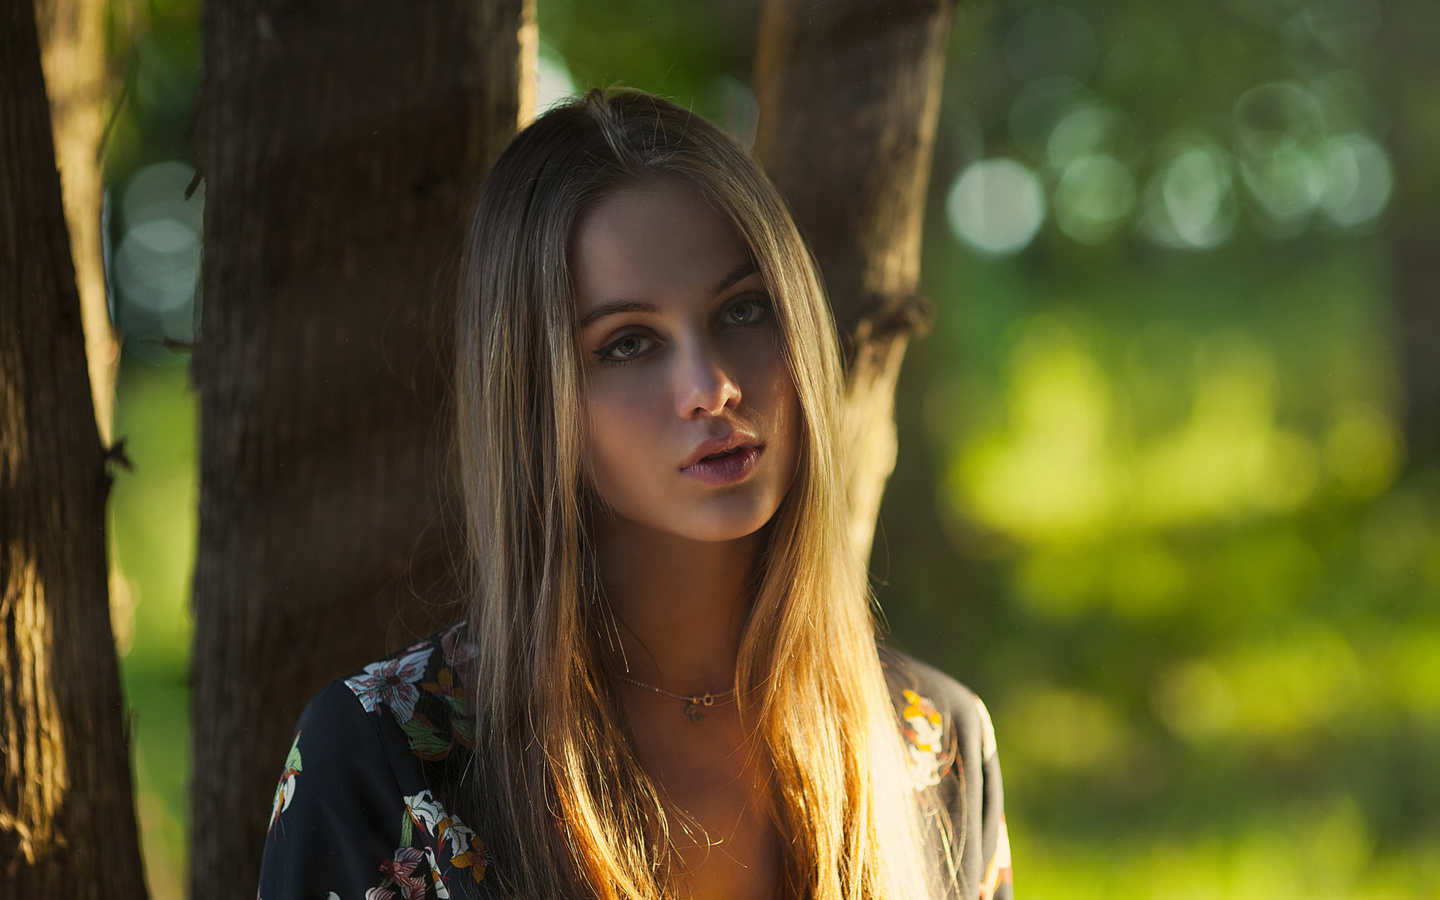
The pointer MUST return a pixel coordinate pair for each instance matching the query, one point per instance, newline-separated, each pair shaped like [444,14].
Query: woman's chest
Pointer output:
[715,790]
[725,840]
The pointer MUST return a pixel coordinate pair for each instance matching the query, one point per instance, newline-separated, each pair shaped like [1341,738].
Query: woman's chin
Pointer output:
[730,522]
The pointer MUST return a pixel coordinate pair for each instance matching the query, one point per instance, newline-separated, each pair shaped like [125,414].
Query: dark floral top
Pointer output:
[364,807]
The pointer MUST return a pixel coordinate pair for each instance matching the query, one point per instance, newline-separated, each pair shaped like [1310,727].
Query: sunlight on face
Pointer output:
[693,421]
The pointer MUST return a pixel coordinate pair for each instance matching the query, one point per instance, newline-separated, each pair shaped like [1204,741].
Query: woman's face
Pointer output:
[692,416]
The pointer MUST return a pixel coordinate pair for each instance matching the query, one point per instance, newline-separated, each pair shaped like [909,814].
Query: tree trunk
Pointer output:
[72,52]
[67,820]
[1408,79]
[342,145]
[849,95]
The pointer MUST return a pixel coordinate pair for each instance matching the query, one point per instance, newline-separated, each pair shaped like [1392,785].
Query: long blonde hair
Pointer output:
[562,800]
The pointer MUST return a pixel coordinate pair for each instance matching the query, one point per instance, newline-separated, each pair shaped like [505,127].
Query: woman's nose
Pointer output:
[704,383]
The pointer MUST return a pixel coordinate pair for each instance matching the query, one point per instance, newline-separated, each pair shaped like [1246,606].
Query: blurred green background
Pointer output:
[1157,499]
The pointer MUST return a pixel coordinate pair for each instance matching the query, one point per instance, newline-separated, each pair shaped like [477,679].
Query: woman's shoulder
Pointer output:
[419,694]
[423,689]
[367,800]
[933,704]
[950,744]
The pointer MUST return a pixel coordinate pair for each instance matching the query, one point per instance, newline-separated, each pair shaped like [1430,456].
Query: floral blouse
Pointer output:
[364,807]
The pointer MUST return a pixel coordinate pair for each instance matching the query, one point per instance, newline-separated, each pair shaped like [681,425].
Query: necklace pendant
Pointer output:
[693,711]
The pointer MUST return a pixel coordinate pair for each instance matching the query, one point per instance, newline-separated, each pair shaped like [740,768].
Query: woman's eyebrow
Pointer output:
[615,307]
[744,270]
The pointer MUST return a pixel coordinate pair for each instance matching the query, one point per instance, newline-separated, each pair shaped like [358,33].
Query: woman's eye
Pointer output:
[747,311]
[625,348]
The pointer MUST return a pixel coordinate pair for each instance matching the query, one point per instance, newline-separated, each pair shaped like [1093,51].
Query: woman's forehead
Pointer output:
[655,237]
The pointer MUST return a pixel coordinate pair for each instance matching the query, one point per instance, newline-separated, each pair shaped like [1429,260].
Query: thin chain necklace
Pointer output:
[692,703]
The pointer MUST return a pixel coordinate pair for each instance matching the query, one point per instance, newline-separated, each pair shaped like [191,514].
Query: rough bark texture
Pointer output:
[1409,86]
[342,144]
[72,52]
[67,821]
[849,95]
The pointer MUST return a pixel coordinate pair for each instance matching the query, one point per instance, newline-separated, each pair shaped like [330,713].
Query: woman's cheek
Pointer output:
[618,405]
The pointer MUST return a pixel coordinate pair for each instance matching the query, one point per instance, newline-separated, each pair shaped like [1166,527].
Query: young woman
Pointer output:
[668,684]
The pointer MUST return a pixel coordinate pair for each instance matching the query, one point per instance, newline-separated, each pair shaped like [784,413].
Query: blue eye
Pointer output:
[747,310]
[625,348]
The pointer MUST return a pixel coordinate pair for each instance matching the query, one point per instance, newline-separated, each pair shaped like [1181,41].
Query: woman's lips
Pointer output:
[725,470]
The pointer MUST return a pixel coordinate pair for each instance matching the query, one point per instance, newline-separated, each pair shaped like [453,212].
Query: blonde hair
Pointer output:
[562,799]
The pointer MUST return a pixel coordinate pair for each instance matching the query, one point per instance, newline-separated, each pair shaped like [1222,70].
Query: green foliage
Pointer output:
[1155,500]
[153,522]
[697,54]
[1180,557]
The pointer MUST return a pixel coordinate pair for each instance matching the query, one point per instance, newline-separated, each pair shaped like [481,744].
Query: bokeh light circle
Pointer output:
[1189,202]
[158,264]
[1286,180]
[1093,198]
[155,267]
[996,206]
[1085,130]
[554,84]
[1358,179]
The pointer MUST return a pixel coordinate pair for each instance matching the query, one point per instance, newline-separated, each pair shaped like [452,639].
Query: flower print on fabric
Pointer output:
[445,686]
[998,874]
[400,872]
[924,731]
[460,655]
[392,682]
[987,733]
[448,833]
[435,730]
[285,790]
[441,891]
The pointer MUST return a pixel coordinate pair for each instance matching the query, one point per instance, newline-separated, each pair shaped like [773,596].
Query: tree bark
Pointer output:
[72,52]
[849,94]
[67,820]
[342,144]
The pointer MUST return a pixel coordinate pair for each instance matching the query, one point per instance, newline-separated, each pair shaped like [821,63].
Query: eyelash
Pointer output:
[603,354]
[760,302]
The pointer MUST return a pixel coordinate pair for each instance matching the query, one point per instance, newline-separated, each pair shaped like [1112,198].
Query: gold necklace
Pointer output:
[692,703]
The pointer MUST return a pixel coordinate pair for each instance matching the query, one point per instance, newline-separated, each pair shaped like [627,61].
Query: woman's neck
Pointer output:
[680,605]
